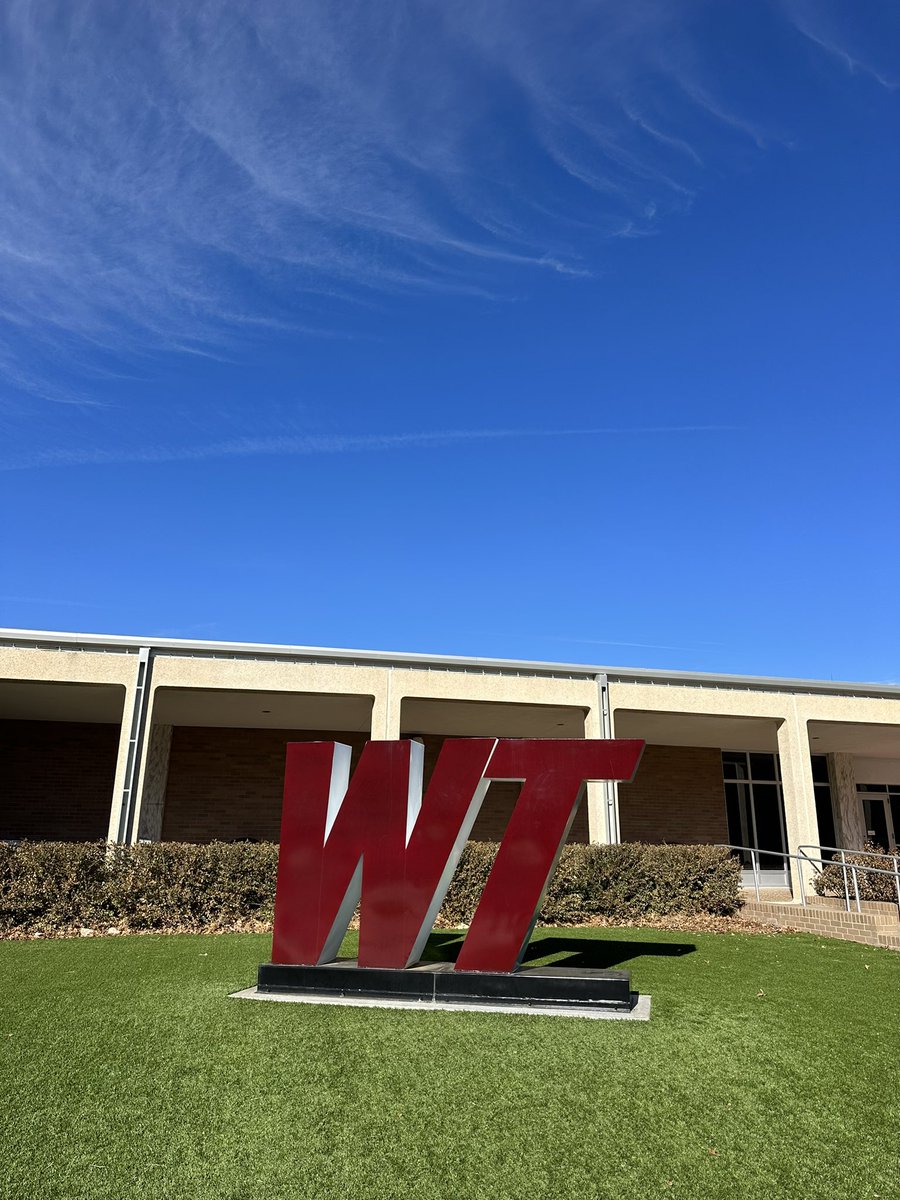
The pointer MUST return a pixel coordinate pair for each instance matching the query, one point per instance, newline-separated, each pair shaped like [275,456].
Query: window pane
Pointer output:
[762,766]
[734,764]
[825,817]
[876,823]
[736,808]
[769,836]
[820,768]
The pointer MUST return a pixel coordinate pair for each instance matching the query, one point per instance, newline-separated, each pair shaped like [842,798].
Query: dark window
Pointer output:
[876,823]
[762,766]
[734,765]
[767,805]
[740,826]
[820,768]
[825,819]
[824,805]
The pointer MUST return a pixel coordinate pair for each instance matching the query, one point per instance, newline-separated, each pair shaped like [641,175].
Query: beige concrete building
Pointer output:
[133,738]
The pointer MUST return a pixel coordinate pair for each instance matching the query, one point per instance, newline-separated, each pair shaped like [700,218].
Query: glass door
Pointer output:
[876,822]
[881,813]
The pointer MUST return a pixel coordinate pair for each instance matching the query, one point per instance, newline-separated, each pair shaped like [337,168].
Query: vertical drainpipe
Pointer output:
[135,745]
[610,789]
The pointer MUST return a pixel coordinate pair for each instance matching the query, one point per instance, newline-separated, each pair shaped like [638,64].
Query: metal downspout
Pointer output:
[135,745]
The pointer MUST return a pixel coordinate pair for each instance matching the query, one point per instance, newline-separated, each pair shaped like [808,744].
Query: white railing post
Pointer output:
[846,880]
[754,862]
[856,887]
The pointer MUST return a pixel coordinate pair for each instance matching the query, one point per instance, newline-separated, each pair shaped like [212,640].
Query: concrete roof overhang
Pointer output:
[260,650]
[692,729]
[235,709]
[476,718]
[93,703]
[867,740]
[863,741]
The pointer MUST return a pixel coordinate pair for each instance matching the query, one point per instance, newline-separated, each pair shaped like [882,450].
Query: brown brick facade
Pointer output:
[56,779]
[490,824]
[226,785]
[677,796]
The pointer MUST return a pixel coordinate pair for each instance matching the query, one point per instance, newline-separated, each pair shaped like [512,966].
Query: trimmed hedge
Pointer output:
[59,887]
[830,880]
[616,883]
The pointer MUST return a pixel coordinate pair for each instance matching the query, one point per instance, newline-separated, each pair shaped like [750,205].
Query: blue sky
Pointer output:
[545,331]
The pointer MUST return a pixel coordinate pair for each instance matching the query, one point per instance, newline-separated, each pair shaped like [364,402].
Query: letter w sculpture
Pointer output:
[376,840]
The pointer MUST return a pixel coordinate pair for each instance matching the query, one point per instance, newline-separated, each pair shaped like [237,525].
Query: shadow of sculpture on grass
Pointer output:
[598,954]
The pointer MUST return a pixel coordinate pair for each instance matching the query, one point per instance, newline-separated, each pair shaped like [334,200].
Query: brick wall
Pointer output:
[56,779]
[226,784]
[677,796]
[490,824]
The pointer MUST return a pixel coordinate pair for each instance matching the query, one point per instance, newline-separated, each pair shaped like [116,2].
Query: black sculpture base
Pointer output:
[551,987]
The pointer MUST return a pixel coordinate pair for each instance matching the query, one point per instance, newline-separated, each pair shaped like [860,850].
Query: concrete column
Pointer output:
[153,784]
[598,794]
[850,827]
[122,764]
[798,790]
[386,711]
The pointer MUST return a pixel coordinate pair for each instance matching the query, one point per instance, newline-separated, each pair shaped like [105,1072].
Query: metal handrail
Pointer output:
[801,857]
[842,851]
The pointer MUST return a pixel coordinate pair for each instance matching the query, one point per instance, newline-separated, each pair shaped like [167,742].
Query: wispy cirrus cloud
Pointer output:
[869,46]
[191,175]
[182,176]
[303,445]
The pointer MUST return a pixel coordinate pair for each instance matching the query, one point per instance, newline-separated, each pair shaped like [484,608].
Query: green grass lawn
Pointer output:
[769,1069]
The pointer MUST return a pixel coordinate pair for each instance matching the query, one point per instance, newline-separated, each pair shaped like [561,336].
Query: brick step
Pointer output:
[797,912]
[863,939]
[828,910]
[868,928]
[784,896]
[861,921]
[798,920]
[868,906]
